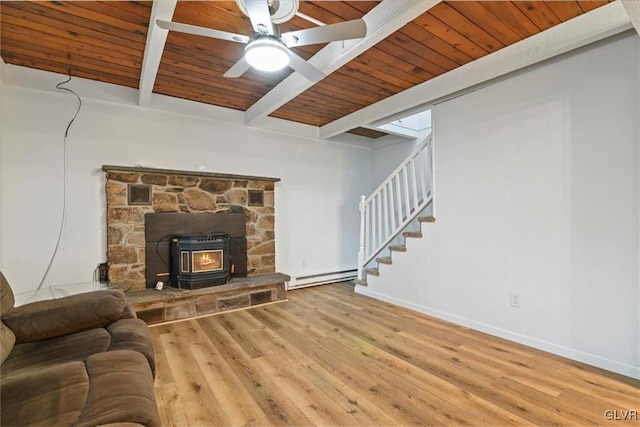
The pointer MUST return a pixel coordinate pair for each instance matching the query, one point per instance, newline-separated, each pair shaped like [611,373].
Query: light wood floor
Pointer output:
[331,357]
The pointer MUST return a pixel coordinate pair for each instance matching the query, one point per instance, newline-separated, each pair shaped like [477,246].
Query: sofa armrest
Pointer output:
[75,313]
[133,334]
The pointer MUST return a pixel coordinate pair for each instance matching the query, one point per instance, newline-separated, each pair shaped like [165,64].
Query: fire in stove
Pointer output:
[206,261]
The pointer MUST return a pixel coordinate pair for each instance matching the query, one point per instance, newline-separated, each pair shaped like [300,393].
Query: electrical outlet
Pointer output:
[514,299]
[103,272]
[304,263]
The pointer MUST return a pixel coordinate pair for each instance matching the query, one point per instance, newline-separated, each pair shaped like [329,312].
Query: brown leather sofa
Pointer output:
[82,360]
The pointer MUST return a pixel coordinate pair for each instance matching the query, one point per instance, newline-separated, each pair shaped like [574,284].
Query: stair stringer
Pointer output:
[409,233]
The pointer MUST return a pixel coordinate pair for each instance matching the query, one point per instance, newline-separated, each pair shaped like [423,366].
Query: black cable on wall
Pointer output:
[60,86]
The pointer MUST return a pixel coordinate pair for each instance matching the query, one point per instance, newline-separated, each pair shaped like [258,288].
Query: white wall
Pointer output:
[537,193]
[2,68]
[390,151]
[316,201]
[387,157]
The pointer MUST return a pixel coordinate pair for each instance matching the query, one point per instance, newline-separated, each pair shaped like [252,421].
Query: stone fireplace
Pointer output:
[133,192]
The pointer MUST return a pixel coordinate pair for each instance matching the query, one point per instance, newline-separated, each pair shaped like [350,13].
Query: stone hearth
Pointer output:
[133,192]
[176,304]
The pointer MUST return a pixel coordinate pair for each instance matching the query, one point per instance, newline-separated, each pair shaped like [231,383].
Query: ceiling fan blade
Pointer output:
[355,29]
[260,16]
[201,31]
[238,69]
[307,70]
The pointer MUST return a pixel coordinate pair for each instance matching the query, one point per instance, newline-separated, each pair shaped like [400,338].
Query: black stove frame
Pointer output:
[200,260]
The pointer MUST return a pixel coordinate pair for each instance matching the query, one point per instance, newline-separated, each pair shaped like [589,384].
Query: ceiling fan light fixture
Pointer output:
[266,54]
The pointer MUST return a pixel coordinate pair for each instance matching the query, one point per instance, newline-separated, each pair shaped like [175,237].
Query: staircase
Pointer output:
[389,211]
[375,271]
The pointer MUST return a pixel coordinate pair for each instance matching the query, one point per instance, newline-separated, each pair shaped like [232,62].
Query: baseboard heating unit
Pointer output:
[322,278]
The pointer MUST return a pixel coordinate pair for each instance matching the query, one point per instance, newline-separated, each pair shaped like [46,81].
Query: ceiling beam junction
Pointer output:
[382,21]
[633,10]
[598,24]
[156,39]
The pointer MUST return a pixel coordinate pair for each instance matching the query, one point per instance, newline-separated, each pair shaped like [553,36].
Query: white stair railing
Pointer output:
[397,202]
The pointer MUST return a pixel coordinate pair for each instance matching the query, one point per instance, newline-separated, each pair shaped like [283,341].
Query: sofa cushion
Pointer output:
[69,348]
[50,396]
[7,341]
[57,317]
[121,390]
[107,388]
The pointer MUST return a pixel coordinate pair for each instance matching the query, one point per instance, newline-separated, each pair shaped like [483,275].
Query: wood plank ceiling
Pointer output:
[105,41]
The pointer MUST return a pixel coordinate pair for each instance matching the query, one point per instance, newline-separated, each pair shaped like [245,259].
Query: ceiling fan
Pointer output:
[269,50]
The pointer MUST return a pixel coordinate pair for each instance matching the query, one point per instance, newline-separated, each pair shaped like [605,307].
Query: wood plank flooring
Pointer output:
[331,357]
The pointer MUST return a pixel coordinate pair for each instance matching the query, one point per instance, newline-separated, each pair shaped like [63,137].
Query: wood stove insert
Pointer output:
[199,261]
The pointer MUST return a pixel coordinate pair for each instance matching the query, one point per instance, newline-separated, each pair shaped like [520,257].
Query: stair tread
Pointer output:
[373,271]
[361,282]
[426,219]
[412,234]
[398,248]
[384,260]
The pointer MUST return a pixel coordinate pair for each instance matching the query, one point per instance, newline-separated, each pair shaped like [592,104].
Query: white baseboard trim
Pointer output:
[570,353]
[322,279]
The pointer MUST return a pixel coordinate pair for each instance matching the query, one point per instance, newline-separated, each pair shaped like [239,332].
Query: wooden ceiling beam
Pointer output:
[632,7]
[156,39]
[596,25]
[382,21]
